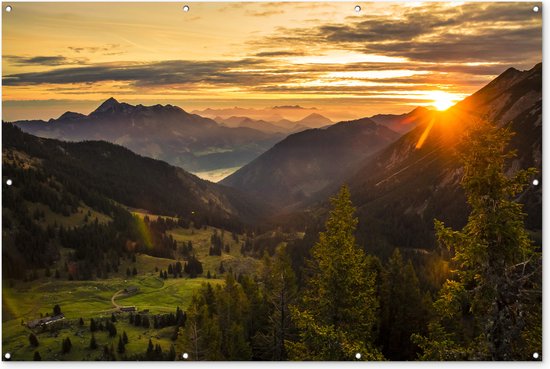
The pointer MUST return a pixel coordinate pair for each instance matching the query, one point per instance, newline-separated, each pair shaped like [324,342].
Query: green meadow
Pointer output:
[26,301]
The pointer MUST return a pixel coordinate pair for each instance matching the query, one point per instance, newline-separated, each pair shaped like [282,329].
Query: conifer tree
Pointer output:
[93,343]
[93,326]
[337,314]
[403,310]
[486,311]
[66,345]
[281,291]
[120,348]
[172,353]
[33,340]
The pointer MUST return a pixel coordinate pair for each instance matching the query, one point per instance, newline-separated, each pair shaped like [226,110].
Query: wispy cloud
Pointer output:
[43,60]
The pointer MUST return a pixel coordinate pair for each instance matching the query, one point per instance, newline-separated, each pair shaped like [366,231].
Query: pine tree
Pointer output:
[66,345]
[33,341]
[403,310]
[93,326]
[485,310]
[281,290]
[124,337]
[149,354]
[120,348]
[112,329]
[337,314]
[172,353]
[93,343]
[37,356]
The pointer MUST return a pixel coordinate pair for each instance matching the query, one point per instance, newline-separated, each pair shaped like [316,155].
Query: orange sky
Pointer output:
[387,58]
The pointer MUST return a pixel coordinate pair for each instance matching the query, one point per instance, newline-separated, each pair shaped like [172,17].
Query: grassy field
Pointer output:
[26,301]
[201,244]
[89,299]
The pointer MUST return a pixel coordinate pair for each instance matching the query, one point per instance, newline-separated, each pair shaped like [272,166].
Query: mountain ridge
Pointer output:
[164,132]
[305,162]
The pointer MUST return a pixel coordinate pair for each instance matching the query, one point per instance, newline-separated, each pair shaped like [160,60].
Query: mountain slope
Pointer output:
[403,188]
[404,123]
[306,162]
[116,173]
[162,132]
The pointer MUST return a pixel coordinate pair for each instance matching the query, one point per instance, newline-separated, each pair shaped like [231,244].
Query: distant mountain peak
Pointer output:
[315,115]
[108,105]
[70,115]
[315,120]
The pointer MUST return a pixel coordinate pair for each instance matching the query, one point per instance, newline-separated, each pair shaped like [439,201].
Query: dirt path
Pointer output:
[117,306]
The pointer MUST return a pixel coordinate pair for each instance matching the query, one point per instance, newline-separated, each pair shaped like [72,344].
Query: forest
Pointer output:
[351,305]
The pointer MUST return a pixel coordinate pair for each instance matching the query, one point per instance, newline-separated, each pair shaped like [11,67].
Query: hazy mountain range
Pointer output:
[313,120]
[165,132]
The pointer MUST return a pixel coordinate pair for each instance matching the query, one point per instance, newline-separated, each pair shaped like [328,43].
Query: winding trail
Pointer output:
[117,306]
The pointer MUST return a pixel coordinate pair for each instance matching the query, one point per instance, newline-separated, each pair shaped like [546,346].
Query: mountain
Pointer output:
[162,132]
[280,126]
[246,122]
[115,173]
[404,123]
[401,189]
[314,120]
[306,162]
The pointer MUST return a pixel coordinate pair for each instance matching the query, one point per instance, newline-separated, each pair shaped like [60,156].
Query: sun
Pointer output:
[442,100]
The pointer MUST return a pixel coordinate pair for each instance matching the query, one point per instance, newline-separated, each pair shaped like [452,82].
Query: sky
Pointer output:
[387,58]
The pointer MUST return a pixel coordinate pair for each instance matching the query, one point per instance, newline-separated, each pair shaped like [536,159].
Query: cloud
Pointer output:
[510,33]
[266,13]
[172,72]
[43,60]
[279,53]
[108,49]
[494,45]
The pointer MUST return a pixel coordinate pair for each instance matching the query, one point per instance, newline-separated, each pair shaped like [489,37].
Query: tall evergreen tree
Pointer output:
[280,290]
[484,312]
[337,314]
[403,309]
